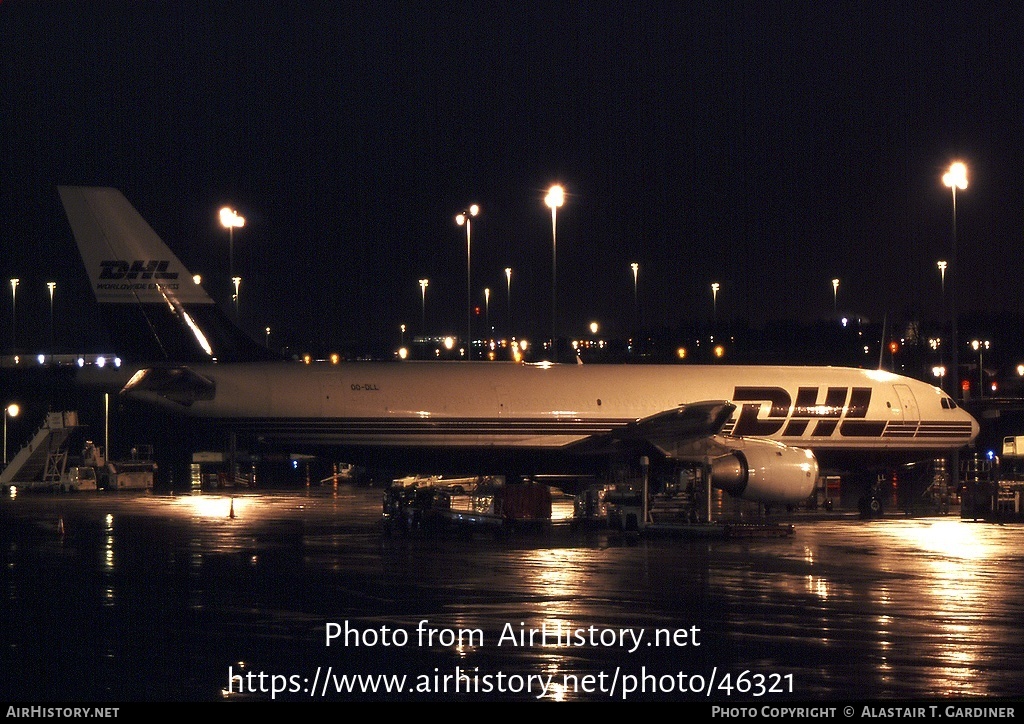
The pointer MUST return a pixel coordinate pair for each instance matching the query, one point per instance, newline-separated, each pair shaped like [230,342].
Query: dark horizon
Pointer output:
[768,148]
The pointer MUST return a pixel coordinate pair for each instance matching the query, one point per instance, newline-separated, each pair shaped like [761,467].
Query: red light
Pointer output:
[965,385]
[893,347]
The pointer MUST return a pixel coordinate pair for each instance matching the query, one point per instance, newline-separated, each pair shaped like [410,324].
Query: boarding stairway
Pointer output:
[43,459]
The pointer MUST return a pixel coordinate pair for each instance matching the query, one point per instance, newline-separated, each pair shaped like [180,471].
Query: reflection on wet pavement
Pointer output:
[148,597]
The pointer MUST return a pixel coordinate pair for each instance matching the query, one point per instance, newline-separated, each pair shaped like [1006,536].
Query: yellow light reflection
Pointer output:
[953,595]
[818,586]
[951,538]
[215,506]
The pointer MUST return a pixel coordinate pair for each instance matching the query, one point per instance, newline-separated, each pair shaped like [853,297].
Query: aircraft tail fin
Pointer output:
[141,285]
[125,259]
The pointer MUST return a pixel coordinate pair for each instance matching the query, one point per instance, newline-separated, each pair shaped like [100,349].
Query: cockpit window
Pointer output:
[948,403]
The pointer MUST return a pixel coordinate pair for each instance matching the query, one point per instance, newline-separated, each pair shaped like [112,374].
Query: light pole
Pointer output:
[424,283]
[554,199]
[508,284]
[464,219]
[11,410]
[955,178]
[236,281]
[636,299]
[487,310]
[51,286]
[714,303]
[230,220]
[835,296]
[979,346]
[268,337]
[14,314]
[942,307]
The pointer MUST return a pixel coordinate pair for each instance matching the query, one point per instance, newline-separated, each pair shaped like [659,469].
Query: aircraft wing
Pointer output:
[750,468]
[672,431]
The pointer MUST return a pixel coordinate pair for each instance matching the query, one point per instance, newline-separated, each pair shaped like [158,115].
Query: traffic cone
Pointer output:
[232,513]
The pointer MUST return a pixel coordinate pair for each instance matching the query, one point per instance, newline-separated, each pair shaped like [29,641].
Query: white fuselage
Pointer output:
[485,404]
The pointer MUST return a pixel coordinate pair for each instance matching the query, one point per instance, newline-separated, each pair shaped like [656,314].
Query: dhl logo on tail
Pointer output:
[115,269]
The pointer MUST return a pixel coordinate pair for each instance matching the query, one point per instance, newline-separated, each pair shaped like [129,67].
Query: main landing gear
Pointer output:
[870,505]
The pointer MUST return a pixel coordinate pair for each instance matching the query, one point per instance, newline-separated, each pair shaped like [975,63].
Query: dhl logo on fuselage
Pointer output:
[843,408]
[138,269]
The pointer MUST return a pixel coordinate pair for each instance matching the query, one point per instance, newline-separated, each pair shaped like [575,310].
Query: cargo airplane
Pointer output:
[757,432]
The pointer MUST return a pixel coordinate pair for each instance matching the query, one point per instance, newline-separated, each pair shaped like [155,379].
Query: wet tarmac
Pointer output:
[300,596]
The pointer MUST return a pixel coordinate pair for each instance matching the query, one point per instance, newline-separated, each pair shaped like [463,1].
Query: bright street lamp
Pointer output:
[11,410]
[424,283]
[230,220]
[464,219]
[14,314]
[835,295]
[236,281]
[554,199]
[51,286]
[268,337]
[714,302]
[955,178]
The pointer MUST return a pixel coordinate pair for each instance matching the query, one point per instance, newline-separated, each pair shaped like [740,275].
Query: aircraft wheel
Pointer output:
[870,507]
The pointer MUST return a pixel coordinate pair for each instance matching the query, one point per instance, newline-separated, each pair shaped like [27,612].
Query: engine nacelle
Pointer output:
[765,471]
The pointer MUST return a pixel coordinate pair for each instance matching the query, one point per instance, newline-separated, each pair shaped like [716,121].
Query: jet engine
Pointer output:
[765,471]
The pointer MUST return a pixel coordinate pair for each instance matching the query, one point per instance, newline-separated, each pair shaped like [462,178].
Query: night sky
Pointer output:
[767,146]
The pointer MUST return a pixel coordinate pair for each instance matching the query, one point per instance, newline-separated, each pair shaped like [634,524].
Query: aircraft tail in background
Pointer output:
[141,285]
